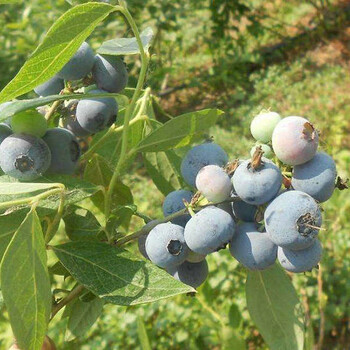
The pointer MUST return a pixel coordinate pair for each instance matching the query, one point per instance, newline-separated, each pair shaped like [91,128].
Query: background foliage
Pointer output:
[240,56]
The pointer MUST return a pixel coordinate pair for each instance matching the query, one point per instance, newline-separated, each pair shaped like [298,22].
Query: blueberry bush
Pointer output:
[66,243]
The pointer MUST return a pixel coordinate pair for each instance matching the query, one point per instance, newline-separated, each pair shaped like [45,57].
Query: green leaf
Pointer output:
[142,334]
[180,131]
[25,284]
[22,105]
[82,315]
[9,225]
[115,275]
[23,187]
[163,168]
[76,190]
[60,43]
[126,46]
[275,308]
[81,225]
[234,316]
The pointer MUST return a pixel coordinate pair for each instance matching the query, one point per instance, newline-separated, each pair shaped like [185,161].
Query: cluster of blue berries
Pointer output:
[29,149]
[264,210]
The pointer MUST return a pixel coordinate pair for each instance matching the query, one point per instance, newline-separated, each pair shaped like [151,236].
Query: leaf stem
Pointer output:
[74,293]
[52,227]
[129,108]
[52,110]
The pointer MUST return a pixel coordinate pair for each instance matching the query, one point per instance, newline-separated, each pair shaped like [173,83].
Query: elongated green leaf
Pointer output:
[126,46]
[22,105]
[180,131]
[9,225]
[76,190]
[115,275]
[60,43]
[23,187]
[163,168]
[275,308]
[142,334]
[25,284]
[82,315]
[232,339]
[81,225]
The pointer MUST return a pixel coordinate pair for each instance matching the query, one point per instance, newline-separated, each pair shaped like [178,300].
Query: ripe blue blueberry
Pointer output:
[174,202]
[292,220]
[262,126]
[65,150]
[244,211]
[109,73]
[95,114]
[80,65]
[294,140]
[214,183]
[200,156]
[70,121]
[209,230]
[141,242]
[24,157]
[51,87]
[257,185]
[316,177]
[166,246]
[252,248]
[5,131]
[192,274]
[300,260]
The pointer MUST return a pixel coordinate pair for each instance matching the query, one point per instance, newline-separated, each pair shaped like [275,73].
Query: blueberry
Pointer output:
[257,186]
[252,248]
[95,114]
[109,73]
[29,122]
[80,65]
[244,211]
[209,230]
[70,121]
[174,202]
[292,220]
[294,140]
[24,157]
[65,150]
[195,257]
[300,260]
[141,242]
[51,87]
[265,148]
[5,131]
[214,183]
[166,246]
[200,156]
[192,274]
[316,177]
[262,126]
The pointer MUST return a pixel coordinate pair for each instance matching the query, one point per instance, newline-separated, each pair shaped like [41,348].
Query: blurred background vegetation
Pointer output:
[240,56]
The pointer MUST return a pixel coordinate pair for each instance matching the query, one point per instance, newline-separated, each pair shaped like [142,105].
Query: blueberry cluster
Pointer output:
[263,209]
[29,149]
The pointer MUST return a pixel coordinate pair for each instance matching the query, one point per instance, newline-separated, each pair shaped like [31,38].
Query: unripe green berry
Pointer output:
[29,122]
[263,124]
